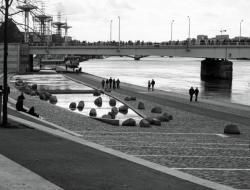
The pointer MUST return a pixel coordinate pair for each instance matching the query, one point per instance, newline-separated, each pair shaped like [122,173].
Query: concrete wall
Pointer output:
[18,58]
[13,57]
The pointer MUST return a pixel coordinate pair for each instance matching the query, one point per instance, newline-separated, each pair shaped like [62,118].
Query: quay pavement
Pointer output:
[54,162]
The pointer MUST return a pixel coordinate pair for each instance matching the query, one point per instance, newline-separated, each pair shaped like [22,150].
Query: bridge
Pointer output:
[196,51]
[215,65]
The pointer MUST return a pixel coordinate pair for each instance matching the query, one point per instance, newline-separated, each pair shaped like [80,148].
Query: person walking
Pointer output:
[118,83]
[103,83]
[110,82]
[114,84]
[196,92]
[107,84]
[191,93]
[149,85]
[153,84]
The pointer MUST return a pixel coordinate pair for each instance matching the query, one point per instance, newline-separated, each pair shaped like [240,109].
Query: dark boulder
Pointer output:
[123,109]
[53,99]
[141,106]
[112,115]
[231,129]
[34,86]
[112,102]
[144,123]
[162,118]
[156,110]
[168,116]
[156,122]
[72,106]
[97,93]
[80,105]
[129,122]
[150,120]
[106,117]
[92,113]
[42,96]
[98,102]
[133,98]
[127,98]
[114,110]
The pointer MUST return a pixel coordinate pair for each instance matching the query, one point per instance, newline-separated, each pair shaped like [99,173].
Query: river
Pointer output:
[175,75]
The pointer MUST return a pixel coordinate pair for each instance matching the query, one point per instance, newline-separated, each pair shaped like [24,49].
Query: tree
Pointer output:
[8,3]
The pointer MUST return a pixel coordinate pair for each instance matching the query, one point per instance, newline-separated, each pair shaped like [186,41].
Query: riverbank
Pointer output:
[192,142]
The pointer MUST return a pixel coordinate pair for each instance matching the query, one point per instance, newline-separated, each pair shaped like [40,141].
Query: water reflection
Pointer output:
[217,88]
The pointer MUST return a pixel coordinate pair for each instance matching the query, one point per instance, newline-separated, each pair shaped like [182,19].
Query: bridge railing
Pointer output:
[175,44]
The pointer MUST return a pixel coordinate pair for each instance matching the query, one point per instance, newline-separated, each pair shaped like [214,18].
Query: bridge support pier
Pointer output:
[137,58]
[216,69]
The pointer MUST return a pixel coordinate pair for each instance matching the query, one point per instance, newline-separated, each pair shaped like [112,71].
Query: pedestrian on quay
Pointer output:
[114,84]
[191,93]
[118,83]
[149,85]
[103,83]
[196,92]
[110,82]
[107,84]
[153,84]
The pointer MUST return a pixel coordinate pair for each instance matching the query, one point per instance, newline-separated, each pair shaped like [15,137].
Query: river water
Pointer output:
[175,75]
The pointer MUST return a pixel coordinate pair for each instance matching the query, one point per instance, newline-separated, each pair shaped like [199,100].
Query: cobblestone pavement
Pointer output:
[191,143]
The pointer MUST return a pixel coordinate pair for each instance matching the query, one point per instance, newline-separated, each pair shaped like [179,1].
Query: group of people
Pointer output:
[110,83]
[19,106]
[151,84]
[193,92]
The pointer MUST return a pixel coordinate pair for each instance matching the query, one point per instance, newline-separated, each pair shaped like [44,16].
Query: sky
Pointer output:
[150,20]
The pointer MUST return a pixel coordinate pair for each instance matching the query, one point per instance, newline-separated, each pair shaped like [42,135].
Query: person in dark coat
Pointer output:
[103,83]
[107,83]
[196,92]
[32,112]
[153,84]
[110,82]
[149,85]
[191,93]
[19,103]
[118,83]
[114,84]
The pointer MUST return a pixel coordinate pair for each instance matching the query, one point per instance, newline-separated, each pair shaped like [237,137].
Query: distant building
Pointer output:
[222,37]
[202,39]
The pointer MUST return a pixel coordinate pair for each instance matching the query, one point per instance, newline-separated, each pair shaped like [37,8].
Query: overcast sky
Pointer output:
[150,20]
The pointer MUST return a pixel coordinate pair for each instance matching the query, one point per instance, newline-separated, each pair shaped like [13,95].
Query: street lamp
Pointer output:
[188,28]
[221,31]
[119,35]
[240,30]
[111,30]
[172,30]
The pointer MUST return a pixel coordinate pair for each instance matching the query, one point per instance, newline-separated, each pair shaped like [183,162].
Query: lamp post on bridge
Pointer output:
[172,22]
[240,30]
[221,31]
[111,30]
[188,29]
[119,34]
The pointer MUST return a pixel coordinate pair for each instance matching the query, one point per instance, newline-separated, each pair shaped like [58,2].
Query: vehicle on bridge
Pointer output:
[72,61]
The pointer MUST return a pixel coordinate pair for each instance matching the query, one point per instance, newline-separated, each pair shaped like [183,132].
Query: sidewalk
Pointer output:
[70,165]
[231,112]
